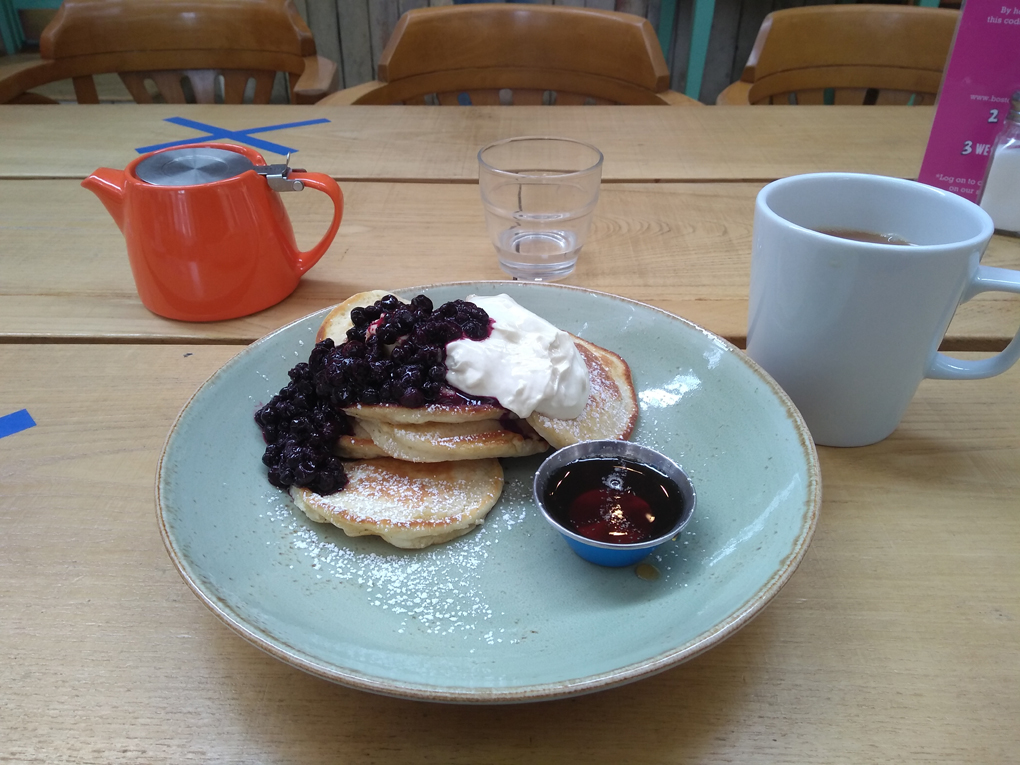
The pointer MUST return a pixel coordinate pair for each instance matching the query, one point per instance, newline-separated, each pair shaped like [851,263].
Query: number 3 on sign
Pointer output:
[968,147]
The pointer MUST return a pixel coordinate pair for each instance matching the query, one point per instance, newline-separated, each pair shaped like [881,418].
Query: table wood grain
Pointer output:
[684,248]
[418,143]
[898,639]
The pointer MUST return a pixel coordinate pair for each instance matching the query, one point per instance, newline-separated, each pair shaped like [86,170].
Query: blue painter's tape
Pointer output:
[214,133]
[15,423]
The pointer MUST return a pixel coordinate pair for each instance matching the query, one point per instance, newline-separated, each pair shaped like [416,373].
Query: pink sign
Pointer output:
[983,72]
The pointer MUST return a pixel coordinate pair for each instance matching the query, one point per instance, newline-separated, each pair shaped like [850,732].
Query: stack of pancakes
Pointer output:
[427,475]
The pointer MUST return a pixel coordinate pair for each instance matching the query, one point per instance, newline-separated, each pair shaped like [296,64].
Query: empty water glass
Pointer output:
[539,195]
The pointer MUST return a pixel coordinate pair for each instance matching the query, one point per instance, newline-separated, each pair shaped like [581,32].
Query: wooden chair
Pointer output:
[178,46]
[493,54]
[847,54]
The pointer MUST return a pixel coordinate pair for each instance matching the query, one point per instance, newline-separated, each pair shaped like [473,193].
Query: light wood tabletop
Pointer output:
[644,143]
[897,639]
[676,207]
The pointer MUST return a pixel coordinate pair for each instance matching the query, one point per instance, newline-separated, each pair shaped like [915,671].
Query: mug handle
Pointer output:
[328,186]
[942,367]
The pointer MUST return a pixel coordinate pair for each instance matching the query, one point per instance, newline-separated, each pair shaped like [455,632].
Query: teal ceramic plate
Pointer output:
[507,613]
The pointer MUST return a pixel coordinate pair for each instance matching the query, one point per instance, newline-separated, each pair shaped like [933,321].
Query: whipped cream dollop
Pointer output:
[526,363]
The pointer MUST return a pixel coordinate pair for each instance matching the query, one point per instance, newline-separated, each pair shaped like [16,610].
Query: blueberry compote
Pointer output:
[394,354]
[611,499]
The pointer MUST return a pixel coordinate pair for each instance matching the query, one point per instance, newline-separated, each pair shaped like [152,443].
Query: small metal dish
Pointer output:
[609,553]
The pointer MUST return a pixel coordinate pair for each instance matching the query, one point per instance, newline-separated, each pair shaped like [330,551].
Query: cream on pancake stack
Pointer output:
[424,475]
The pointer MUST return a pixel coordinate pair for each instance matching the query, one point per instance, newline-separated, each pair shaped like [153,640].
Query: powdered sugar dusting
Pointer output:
[437,590]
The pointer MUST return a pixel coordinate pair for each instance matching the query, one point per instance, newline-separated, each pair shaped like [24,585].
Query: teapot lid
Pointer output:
[192,166]
[196,165]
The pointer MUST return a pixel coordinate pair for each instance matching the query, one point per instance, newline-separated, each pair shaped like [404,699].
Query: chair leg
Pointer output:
[85,89]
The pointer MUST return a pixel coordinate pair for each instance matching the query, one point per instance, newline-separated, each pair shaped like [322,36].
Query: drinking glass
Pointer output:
[539,195]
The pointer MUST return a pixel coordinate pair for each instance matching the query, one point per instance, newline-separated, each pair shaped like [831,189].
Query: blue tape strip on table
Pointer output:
[15,423]
[214,133]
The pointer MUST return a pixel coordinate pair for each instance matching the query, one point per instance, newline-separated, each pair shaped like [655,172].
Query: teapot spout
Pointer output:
[108,184]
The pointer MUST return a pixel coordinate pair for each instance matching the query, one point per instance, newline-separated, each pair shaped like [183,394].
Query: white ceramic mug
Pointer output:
[850,328]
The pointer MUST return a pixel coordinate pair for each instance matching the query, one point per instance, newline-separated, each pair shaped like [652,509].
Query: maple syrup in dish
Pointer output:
[611,499]
[614,502]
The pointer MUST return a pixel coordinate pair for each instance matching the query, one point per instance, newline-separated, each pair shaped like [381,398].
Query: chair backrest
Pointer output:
[850,54]
[178,45]
[504,53]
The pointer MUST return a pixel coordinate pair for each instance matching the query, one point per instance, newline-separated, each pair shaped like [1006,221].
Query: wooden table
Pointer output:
[678,200]
[897,640]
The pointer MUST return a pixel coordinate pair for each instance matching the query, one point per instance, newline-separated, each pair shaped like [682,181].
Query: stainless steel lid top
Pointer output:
[192,166]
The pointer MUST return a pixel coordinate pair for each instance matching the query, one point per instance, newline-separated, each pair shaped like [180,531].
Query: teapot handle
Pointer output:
[328,186]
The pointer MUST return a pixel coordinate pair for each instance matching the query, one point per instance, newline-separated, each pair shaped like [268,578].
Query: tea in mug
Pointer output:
[865,236]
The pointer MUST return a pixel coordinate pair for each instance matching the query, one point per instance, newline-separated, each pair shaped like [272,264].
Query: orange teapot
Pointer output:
[208,237]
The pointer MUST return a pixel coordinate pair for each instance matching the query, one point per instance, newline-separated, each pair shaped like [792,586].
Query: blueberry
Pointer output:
[443,332]
[271,455]
[265,416]
[355,371]
[352,349]
[380,370]
[431,390]
[422,303]
[412,398]
[411,376]
[404,319]
[335,376]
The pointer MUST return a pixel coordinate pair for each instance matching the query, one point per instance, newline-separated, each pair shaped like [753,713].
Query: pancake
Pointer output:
[357,446]
[338,321]
[410,505]
[444,441]
[441,476]
[610,413]
[612,407]
[402,415]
